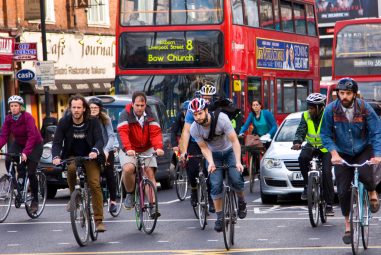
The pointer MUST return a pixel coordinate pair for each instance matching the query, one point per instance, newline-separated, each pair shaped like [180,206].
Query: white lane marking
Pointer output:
[13,244]
[281,226]
[262,239]
[191,227]
[113,242]
[213,240]
[56,230]
[12,231]
[63,243]
[163,241]
[313,238]
[258,200]
[327,225]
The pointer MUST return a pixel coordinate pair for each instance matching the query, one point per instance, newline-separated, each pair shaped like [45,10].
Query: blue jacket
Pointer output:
[351,138]
[270,120]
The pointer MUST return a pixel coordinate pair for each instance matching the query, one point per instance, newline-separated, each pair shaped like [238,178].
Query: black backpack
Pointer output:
[226,106]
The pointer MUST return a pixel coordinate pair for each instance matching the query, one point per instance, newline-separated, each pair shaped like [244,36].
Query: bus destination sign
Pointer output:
[282,55]
[171,49]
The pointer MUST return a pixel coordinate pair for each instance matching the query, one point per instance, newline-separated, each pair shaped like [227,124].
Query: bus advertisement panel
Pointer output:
[170,48]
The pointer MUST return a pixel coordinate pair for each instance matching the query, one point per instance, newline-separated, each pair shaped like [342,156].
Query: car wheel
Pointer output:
[52,191]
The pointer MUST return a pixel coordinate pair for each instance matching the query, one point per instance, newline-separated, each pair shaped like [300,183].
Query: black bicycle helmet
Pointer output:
[347,84]
[97,101]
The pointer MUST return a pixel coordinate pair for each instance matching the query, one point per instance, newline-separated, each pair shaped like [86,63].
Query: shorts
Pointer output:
[149,162]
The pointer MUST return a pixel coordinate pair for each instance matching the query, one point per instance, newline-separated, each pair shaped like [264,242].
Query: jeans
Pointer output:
[216,178]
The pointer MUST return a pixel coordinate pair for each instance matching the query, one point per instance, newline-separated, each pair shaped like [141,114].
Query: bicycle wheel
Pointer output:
[355,220]
[6,196]
[90,213]
[42,195]
[138,209]
[119,194]
[322,209]
[227,219]
[150,207]
[181,182]
[365,220]
[202,205]
[233,199]
[313,200]
[253,170]
[79,217]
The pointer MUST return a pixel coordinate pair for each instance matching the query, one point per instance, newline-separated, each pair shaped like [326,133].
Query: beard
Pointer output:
[346,103]
[202,122]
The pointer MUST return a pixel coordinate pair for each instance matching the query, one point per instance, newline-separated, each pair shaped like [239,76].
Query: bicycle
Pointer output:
[360,214]
[229,209]
[254,159]
[81,211]
[181,181]
[20,188]
[315,199]
[119,191]
[146,205]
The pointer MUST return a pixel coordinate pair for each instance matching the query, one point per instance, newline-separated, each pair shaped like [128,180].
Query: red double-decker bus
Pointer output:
[357,54]
[249,49]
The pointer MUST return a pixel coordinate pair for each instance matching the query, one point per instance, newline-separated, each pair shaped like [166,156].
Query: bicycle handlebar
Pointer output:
[11,154]
[80,158]
[356,165]
[140,156]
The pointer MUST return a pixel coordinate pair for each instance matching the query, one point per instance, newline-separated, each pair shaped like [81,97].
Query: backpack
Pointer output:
[226,106]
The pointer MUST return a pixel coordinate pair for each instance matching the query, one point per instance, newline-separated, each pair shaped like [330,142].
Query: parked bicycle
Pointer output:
[316,202]
[229,209]
[360,214]
[15,184]
[81,211]
[120,193]
[146,204]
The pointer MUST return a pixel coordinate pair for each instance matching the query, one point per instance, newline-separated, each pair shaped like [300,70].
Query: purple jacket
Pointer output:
[24,130]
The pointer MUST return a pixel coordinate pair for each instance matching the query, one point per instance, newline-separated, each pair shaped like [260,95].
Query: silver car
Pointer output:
[279,172]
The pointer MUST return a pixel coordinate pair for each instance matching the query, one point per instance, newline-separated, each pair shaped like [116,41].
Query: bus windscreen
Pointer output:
[171,49]
[358,51]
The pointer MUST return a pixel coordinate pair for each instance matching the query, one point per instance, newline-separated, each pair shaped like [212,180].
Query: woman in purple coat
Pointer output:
[27,141]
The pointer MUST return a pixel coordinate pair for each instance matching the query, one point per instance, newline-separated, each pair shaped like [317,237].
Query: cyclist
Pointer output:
[178,125]
[139,131]
[27,141]
[189,146]
[222,148]
[78,134]
[309,129]
[96,110]
[351,131]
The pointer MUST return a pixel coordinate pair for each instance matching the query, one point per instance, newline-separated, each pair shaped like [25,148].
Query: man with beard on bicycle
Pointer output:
[78,134]
[309,129]
[219,148]
[351,130]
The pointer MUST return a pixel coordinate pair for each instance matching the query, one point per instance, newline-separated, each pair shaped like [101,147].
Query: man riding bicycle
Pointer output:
[221,148]
[27,141]
[139,131]
[190,146]
[80,135]
[309,129]
[351,130]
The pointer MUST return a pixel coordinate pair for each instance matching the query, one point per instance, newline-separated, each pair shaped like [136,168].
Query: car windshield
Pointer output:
[287,130]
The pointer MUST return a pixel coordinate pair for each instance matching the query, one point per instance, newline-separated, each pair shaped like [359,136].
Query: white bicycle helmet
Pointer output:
[208,90]
[197,104]
[316,99]
[15,99]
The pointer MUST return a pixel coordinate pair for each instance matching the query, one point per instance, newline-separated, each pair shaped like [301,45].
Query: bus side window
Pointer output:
[251,7]
[237,12]
[266,14]
[311,24]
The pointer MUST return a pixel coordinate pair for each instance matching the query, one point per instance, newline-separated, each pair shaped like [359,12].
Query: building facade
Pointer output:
[80,40]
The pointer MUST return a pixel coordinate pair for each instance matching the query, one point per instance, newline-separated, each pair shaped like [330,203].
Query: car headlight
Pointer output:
[47,152]
[272,163]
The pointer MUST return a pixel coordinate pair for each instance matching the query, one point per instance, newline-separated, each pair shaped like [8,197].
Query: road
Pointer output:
[283,228]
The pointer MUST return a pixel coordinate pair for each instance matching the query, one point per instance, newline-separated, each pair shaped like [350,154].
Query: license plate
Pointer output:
[297,176]
[64,174]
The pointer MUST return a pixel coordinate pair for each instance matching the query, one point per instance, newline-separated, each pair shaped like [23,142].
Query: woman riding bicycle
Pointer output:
[27,141]
[351,130]
[96,110]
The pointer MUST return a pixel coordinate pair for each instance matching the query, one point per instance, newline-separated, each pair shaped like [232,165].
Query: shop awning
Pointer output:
[77,86]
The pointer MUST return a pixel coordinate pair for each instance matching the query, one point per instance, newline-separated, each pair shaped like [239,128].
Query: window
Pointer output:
[98,12]
[266,14]
[49,11]
[289,94]
[276,15]
[311,24]
[292,95]
[286,14]
[252,13]
[301,95]
[300,19]
[254,89]
[237,12]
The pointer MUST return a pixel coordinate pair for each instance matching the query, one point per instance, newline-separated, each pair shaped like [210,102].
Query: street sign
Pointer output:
[25,75]
[25,52]
[45,73]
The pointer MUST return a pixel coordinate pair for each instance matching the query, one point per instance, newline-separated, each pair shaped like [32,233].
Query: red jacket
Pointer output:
[133,136]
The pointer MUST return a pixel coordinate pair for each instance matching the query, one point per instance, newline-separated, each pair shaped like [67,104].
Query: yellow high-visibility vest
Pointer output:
[312,136]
